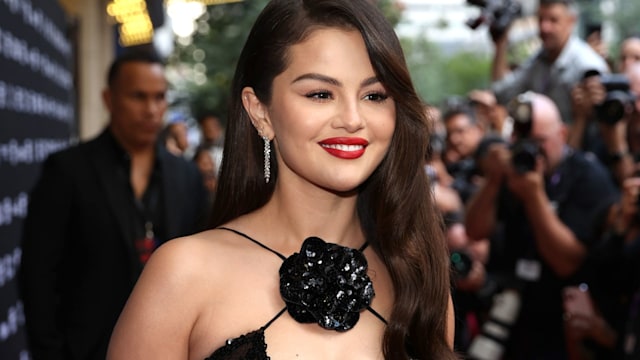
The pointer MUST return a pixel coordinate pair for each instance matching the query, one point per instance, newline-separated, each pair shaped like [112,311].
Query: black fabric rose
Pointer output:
[326,283]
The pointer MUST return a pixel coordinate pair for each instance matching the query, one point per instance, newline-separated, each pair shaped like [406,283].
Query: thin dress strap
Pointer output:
[255,241]
[274,319]
[375,313]
[364,246]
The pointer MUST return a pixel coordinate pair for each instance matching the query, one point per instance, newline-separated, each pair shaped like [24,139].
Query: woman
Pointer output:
[324,144]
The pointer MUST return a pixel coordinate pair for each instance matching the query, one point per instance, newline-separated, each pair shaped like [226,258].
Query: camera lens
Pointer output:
[461,263]
[524,154]
[618,98]
[613,108]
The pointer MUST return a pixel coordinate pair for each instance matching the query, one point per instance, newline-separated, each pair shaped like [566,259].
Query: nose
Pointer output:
[454,140]
[546,27]
[350,117]
[155,106]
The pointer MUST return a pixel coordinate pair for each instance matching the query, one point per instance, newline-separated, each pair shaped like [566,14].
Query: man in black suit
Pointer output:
[98,211]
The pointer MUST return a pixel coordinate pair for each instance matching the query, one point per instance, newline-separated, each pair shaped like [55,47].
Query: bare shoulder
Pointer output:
[199,255]
[188,273]
[181,287]
[210,258]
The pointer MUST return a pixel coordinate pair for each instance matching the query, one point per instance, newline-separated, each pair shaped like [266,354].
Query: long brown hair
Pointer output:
[395,204]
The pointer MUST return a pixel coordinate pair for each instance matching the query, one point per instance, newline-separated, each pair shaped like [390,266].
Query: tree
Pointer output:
[624,20]
[437,77]
[214,50]
[621,15]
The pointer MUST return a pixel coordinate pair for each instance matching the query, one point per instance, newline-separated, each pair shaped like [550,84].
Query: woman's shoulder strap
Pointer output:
[254,241]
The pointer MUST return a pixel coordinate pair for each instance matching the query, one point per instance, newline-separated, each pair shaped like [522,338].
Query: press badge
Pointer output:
[528,269]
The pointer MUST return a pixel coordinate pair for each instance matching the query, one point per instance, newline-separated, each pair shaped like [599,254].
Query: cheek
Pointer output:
[387,130]
[379,121]
[391,127]
[554,149]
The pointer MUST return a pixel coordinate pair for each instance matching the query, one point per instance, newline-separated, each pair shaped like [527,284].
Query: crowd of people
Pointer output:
[543,233]
[309,243]
[502,225]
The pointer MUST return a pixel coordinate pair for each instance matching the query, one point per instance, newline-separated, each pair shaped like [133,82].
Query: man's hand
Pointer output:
[496,163]
[526,185]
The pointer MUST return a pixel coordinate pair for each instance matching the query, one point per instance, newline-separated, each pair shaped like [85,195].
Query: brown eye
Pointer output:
[377,97]
[320,95]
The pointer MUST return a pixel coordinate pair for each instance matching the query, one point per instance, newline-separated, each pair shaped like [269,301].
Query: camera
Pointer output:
[497,14]
[490,343]
[523,155]
[618,99]
[525,150]
[460,263]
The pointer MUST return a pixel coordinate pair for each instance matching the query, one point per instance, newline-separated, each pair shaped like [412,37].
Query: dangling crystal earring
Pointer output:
[267,159]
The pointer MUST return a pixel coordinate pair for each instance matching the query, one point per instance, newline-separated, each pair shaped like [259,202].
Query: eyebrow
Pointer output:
[332,81]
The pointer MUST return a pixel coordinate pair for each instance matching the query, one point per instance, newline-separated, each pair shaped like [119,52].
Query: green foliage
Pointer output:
[392,10]
[422,56]
[624,17]
[623,20]
[221,33]
[469,71]
[437,76]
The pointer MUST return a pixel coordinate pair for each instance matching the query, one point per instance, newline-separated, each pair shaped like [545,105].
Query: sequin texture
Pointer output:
[326,283]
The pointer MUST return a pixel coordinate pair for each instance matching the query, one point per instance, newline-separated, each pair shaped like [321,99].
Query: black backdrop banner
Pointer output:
[37,117]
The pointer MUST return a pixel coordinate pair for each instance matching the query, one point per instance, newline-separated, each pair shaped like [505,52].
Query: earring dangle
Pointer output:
[267,159]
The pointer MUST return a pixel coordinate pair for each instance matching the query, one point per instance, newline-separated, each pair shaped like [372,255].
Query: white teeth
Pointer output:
[343,147]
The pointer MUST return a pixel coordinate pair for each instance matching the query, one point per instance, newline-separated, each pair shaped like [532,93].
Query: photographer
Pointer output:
[548,214]
[556,68]
[612,101]
[605,323]
[467,256]
[589,93]
[629,52]
[463,134]
[489,112]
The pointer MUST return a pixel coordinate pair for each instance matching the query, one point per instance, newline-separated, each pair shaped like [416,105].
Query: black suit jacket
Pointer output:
[78,262]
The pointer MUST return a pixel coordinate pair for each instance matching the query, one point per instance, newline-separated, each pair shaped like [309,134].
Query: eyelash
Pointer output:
[319,95]
[377,96]
[326,95]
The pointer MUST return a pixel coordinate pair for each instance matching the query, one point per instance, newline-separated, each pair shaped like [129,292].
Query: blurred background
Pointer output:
[54,55]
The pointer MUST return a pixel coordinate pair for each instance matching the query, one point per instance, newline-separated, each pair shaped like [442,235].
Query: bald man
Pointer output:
[547,216]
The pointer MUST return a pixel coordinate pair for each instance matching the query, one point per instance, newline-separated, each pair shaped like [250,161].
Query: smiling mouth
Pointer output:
[343,147]
[344,151]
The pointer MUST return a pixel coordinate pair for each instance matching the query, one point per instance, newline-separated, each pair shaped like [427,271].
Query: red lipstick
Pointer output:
[345,147]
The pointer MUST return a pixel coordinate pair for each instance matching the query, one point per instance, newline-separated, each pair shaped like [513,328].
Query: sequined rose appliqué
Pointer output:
[326,283]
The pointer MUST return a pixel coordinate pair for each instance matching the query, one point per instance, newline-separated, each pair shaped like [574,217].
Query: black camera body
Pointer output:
[461,263]
[524,151]
[497,14]
[618,101]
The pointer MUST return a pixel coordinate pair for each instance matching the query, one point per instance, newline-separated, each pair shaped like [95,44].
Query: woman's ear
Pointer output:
[257,112]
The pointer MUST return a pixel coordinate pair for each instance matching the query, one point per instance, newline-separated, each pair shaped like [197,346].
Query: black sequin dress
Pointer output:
[334,303]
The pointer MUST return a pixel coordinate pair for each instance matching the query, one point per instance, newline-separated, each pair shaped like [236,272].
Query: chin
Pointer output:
[345,187]
[147,141]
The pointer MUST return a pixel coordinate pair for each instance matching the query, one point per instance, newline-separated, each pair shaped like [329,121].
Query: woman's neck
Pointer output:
[293,214]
